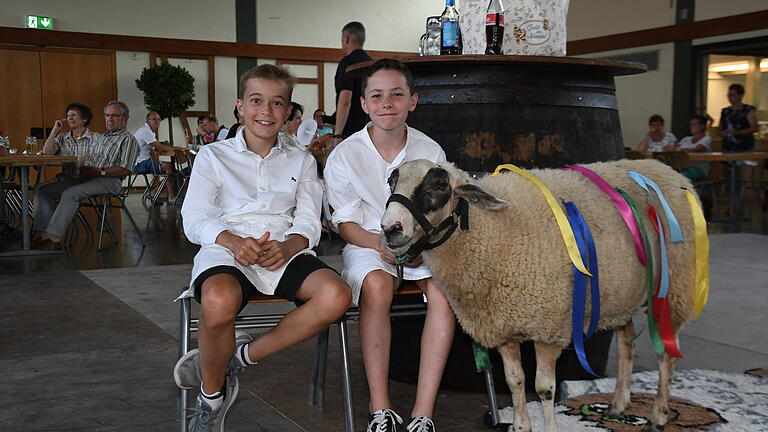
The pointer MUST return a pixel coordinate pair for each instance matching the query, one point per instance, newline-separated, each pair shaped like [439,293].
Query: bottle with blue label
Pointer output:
[450,42]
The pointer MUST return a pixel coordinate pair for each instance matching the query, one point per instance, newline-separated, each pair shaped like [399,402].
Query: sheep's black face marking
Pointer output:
[393,180]
[433,192]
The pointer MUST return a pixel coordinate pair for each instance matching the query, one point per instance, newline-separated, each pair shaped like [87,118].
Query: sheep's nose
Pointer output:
[393,230]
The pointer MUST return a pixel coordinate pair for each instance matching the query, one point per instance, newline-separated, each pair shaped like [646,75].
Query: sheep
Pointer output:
[509,279]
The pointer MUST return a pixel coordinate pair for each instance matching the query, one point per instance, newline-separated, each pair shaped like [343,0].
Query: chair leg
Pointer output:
[183,349]
[489,387]
[346,382]
[101,227]
[317,382]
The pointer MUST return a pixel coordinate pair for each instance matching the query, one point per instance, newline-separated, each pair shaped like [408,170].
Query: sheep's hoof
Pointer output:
[653,428]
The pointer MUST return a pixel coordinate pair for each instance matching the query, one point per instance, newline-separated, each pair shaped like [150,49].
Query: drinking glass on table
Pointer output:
[31,145]
[5,145]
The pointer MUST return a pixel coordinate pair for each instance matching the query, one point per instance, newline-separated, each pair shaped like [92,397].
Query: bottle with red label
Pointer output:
[494,27]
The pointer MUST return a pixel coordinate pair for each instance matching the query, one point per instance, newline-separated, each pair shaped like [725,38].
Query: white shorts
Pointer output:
[358,262]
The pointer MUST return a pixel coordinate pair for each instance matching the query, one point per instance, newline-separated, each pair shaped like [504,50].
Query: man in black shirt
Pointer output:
[350,116]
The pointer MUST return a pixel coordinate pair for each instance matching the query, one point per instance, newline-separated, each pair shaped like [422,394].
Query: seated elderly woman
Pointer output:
[294,120]
[77,139]
[656,139]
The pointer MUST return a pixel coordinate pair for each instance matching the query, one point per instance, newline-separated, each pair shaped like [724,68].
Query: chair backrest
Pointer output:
[633,154]
[678,160]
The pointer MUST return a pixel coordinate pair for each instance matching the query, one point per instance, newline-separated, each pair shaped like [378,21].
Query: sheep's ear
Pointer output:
[478,197]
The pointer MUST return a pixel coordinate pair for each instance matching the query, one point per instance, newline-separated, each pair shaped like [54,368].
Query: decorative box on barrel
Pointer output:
[534,112]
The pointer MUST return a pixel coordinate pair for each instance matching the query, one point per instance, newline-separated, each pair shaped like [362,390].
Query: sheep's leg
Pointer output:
[626,349]
[660,413]
[546,356]
[513,372]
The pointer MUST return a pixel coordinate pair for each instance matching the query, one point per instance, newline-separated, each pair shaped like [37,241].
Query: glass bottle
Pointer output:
[450,40]
[494,28]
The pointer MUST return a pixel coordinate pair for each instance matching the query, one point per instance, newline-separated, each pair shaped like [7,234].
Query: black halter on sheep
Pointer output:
[509,278]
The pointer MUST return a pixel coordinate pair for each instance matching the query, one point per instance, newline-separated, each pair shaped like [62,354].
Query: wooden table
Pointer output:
[24,163]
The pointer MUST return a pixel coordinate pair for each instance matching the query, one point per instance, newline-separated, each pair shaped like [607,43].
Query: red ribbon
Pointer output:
[661,312]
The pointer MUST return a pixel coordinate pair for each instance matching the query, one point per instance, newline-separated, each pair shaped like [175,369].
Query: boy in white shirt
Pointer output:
[254,206]
[356,176]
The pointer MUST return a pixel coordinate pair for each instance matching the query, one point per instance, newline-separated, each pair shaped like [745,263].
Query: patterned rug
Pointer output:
[702,400]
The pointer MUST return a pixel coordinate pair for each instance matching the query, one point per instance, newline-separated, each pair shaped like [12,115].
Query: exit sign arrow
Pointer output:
[39,22]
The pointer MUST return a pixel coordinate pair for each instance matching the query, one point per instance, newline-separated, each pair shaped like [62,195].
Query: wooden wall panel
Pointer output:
[20,98]
[88,78]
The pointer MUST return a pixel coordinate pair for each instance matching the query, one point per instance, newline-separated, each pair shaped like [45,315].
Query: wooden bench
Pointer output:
[188,325]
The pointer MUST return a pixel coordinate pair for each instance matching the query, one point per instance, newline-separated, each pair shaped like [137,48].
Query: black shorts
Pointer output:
[295,273]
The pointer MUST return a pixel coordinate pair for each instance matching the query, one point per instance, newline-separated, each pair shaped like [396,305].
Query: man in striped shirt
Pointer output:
[111,157]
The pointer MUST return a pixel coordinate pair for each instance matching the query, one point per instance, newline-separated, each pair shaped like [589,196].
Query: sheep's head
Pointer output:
[435,190]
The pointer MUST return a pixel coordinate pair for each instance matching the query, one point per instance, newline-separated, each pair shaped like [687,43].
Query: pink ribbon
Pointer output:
[621,206]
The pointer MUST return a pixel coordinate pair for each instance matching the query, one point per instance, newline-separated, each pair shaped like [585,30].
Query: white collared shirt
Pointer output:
[144,136]
[356,176]
[233,189]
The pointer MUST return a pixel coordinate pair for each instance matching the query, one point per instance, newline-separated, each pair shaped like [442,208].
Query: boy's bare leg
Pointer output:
[376,335]
[221,296]
[436,341]
[326,297]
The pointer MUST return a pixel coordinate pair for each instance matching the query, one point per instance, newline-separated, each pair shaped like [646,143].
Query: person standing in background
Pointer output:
[737,122]
[350,116]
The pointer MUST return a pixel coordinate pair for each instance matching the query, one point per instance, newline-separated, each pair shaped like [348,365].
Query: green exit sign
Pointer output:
[39,22]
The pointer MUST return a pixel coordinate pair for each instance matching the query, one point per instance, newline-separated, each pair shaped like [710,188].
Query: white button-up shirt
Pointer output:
[233,189]
[356,176]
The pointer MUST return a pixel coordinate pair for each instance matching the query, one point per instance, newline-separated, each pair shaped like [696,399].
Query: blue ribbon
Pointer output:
[664,278]
[675,232]
[586,246]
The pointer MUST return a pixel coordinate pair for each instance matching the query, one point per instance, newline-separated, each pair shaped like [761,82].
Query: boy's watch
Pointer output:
[103,173]
[338,136]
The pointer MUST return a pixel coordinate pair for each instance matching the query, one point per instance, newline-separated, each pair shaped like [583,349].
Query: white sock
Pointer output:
[213,400]
[242,355]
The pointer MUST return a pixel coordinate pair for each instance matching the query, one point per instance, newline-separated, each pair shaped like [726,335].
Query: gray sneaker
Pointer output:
[187,374]
[205,419]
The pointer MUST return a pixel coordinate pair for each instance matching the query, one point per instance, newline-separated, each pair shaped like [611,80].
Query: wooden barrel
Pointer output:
[534,112]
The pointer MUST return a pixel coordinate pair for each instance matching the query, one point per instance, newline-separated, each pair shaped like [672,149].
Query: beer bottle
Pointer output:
[450,42]
[494,27]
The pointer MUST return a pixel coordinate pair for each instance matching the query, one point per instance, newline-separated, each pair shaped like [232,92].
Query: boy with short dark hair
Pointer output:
[356,175]
[254,206]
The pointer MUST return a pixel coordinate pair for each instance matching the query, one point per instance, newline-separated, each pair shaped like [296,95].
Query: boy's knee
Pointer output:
[336,297]
[220,302]
[377,292]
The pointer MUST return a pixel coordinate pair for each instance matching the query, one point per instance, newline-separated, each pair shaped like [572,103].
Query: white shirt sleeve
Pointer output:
[309,197]
[202,217]
[342,196]
[145,136]
[706,141]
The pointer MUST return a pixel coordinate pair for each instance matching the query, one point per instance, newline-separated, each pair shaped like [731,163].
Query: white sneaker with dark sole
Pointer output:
[187,373]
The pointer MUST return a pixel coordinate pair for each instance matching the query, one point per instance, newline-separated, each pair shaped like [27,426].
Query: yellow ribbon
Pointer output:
[701,245]
[562,220]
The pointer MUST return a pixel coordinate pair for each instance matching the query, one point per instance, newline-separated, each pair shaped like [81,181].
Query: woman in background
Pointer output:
[76,141]
[656,139]
[737,122]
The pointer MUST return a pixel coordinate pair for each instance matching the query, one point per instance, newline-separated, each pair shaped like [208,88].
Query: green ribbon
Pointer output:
[653,330]
[482,359]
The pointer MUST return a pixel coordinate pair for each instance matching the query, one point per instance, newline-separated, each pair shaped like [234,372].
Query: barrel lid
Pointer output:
[616,67]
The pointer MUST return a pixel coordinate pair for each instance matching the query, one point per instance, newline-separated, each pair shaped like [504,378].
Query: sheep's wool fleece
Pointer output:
[509,278]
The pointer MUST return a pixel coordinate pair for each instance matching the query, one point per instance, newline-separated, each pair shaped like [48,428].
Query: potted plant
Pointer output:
[168,90]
